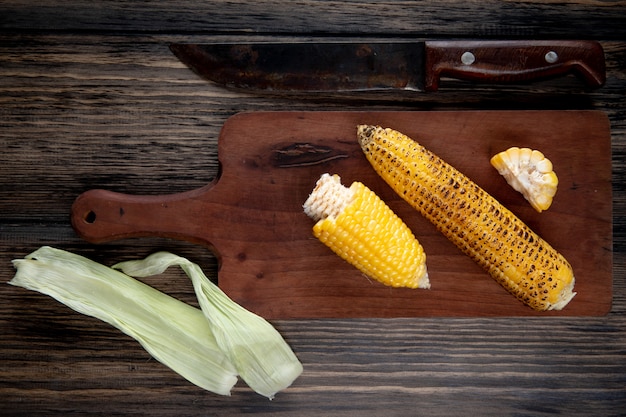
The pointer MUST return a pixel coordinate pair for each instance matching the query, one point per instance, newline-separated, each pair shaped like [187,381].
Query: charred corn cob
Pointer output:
[529,172]
[517,258]
[358,226]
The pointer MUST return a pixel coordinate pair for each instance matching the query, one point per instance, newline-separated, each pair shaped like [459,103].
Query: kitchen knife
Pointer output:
[413,66]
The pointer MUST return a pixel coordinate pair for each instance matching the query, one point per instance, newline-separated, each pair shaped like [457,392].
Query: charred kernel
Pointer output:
[500,242]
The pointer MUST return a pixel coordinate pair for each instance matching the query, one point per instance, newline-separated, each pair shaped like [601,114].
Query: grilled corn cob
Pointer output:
[517,258]
[358,226]
[529,172]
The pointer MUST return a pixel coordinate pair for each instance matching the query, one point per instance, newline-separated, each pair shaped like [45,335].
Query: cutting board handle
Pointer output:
[100,215]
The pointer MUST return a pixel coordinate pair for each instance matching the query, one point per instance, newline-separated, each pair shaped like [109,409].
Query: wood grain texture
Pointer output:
[491,18]
[251,217]
[90,97]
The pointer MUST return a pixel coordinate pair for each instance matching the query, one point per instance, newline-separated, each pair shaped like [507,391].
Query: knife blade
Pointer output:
[413,66]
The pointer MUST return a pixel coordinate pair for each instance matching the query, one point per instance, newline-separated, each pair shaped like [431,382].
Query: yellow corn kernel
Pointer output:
[522,262]
[359,227]
[529,172]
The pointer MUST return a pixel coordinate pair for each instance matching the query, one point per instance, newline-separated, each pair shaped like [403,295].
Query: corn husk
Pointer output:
[174,333]
[259,353]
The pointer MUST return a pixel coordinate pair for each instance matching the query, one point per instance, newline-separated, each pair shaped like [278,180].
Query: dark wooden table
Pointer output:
[91,97]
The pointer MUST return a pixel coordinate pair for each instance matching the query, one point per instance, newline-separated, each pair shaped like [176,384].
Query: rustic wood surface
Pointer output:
[251,218]
[91,97]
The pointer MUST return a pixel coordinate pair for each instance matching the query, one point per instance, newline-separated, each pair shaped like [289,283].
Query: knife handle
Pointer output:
[513,61]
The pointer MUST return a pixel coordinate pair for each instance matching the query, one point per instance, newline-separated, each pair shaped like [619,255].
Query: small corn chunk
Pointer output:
[359,227]
[522,262]
[529,172]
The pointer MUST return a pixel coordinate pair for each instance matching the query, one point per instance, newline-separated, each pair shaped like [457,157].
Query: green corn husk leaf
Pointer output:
[174,333]
[261,356]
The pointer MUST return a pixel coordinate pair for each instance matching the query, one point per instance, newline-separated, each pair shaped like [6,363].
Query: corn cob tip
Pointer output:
[564,296]
[359,227]
[365,133]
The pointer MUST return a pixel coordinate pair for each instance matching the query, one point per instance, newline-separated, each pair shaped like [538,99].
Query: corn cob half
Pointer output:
[516,257]
[359,227]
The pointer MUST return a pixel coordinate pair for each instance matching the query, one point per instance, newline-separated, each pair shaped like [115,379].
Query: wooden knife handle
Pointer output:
[513,61]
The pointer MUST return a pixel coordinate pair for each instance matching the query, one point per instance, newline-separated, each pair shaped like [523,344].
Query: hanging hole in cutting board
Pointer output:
[90,217]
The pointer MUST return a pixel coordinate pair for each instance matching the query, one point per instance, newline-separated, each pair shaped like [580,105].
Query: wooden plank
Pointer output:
[252,215]
[531,19]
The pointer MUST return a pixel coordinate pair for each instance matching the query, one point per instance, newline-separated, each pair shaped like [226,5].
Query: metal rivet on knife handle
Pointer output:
[551,57]
[468,58]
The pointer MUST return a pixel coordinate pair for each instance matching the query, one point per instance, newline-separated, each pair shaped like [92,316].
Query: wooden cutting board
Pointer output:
[251,216]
